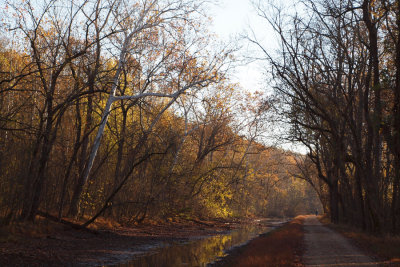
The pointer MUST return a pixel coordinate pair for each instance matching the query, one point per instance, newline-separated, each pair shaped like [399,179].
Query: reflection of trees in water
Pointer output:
[198,252]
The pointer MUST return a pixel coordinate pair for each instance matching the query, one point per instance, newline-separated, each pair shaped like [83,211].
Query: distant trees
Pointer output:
[337,73]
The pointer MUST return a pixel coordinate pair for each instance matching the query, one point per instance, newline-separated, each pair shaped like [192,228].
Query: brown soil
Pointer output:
[280,247]
[60,245]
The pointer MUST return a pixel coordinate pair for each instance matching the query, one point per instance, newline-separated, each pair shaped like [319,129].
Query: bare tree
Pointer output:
[329,74]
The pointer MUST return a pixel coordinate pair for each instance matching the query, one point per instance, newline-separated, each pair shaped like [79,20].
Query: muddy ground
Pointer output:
[62,245]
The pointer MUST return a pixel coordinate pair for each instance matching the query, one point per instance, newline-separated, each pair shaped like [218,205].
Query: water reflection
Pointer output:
[198,252]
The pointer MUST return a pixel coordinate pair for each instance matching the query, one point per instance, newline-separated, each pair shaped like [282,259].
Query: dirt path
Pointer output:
[324,247]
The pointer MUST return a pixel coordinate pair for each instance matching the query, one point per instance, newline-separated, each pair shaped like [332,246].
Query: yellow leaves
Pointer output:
[377,9]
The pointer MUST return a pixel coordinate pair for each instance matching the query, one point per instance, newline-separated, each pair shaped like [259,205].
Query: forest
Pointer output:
[337,75]
[126,110]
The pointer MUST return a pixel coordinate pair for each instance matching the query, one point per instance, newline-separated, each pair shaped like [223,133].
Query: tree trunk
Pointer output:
[395,206]
[334,201]
[72,160]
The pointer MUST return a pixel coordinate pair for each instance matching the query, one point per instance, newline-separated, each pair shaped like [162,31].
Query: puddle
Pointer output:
[200,251]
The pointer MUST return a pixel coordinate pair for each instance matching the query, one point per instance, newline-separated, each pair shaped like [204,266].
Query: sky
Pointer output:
[231,18]
[234,17]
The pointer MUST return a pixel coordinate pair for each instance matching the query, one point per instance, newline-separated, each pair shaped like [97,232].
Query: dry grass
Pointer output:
[281,247]
[385,247]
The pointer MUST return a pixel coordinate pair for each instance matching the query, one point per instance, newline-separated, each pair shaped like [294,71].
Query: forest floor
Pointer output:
[53,244]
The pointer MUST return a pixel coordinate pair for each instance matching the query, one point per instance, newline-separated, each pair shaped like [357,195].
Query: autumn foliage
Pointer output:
[124,110]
